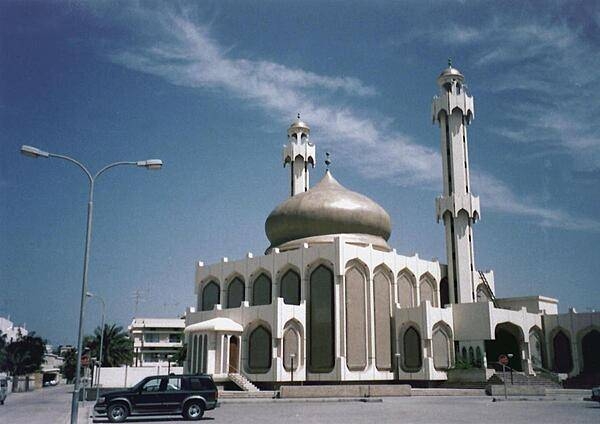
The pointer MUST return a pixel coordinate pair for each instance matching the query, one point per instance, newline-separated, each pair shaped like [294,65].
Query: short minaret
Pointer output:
[299,152]
[458,208]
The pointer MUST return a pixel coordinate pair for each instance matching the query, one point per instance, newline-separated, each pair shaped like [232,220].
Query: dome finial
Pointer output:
[327,161]
[449,62]
[298,115]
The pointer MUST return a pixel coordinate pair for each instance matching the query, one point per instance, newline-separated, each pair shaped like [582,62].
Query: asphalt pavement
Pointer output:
[52,406]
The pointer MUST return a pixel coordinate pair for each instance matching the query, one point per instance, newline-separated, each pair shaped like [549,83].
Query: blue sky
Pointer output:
[211,87]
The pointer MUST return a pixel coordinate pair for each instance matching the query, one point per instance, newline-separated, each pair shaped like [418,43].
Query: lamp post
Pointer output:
[148,164]
[292,356]
[90,295]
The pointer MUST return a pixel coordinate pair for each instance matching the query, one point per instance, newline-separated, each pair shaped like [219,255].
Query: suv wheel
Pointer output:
[117,413]
[193,410]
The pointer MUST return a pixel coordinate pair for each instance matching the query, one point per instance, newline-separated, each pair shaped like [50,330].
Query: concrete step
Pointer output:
[247,395]
[447,392]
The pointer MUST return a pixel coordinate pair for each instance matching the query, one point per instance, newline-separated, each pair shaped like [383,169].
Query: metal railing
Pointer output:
[487,285]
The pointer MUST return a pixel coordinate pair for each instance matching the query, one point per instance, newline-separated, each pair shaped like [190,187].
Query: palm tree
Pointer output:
[117,348]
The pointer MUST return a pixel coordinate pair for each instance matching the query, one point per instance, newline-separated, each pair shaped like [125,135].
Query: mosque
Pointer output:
[331,301]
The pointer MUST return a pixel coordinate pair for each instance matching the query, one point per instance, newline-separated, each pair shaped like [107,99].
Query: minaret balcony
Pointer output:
[457,202]
[306,150]
[450,101]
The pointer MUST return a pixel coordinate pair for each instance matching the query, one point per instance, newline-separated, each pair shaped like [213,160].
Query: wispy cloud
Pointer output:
[187,55]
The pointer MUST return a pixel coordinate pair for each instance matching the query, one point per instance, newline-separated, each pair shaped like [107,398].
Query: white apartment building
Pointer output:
[154,339]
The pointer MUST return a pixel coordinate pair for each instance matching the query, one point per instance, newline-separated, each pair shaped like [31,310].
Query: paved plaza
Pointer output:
[51,406]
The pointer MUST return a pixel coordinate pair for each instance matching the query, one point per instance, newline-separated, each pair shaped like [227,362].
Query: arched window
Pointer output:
[427,290]
[210,296]
[321,347]
[463,354]
[441,348]
[590,348]
[259,350]
[478,357]
[412,358]
[382,287]
[356,319]
[563,359]
[535,347]
[261,290]
[235,293]
[483,294]
[405,289]
[291,349]
[290,287]
[444,292]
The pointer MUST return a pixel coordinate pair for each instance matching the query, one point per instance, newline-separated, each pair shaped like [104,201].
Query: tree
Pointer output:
[2,349]
[25,355]
[180,356]
[117,347]
[68,367]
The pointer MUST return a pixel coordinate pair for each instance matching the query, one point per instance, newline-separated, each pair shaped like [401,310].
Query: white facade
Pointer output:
[11,331]
[342,305]
[154,339]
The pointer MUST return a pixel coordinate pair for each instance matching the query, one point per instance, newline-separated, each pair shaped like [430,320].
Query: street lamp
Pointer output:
[90,295]
[148,164]
[292,356]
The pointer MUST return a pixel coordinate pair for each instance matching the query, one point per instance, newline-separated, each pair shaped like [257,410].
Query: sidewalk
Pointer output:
[85,413]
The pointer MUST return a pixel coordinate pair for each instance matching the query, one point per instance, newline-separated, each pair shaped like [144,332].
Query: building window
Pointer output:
[235,293]
[151,337]
[210,296]
[406,284]
[259,350]
[290,287]
[383,340]
[356,319]
[174,338]
[427,289]
[321,346]
[412,350]
[261,290]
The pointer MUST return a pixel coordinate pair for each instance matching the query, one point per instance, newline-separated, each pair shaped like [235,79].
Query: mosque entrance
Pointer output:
[590,346]
[234,355]
[509,338]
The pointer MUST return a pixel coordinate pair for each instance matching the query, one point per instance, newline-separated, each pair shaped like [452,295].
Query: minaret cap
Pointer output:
[449,74]
[298,125]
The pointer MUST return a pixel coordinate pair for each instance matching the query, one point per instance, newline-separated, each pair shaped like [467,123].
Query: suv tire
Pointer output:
[193,410]
[117,412]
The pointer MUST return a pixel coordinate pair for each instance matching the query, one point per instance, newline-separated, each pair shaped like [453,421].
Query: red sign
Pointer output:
[503,359]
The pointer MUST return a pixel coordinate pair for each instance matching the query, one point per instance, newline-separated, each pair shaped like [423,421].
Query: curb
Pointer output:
[300,400]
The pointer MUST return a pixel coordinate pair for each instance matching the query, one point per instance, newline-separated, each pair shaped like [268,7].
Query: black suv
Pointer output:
[189,395]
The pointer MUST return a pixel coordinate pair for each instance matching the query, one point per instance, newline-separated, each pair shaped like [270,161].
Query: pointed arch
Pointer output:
[211,295]
[382,298]
[562,360]
[236,291]
[321,331]
[483,293]
[412,358]
[259,349]
[293,336]
[290,287]
[536,346]
[589,341]
[442,346]
[428,289]
[407,284]
[261,289]
[355,295]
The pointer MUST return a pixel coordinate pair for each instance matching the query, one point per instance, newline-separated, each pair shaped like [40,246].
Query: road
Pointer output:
[425,409]
[52,406]
[47,405]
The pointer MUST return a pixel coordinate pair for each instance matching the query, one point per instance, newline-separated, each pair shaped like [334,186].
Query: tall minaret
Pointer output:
[299,152]
[458,208]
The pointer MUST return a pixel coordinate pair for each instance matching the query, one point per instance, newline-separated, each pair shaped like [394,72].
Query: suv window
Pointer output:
[174,384]
[197,383]
[152,385]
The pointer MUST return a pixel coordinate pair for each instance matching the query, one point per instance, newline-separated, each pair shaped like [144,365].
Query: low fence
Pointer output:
[129,376]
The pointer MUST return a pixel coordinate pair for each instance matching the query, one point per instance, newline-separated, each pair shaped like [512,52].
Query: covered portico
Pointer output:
[213,347]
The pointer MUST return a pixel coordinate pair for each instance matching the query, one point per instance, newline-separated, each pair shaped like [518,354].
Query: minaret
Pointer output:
[458,208]
[299,152]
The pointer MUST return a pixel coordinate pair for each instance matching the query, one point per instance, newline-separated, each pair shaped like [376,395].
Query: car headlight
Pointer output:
[101,399]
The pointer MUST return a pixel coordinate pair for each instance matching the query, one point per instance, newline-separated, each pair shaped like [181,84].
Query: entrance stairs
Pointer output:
[522,379]
[242,382]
